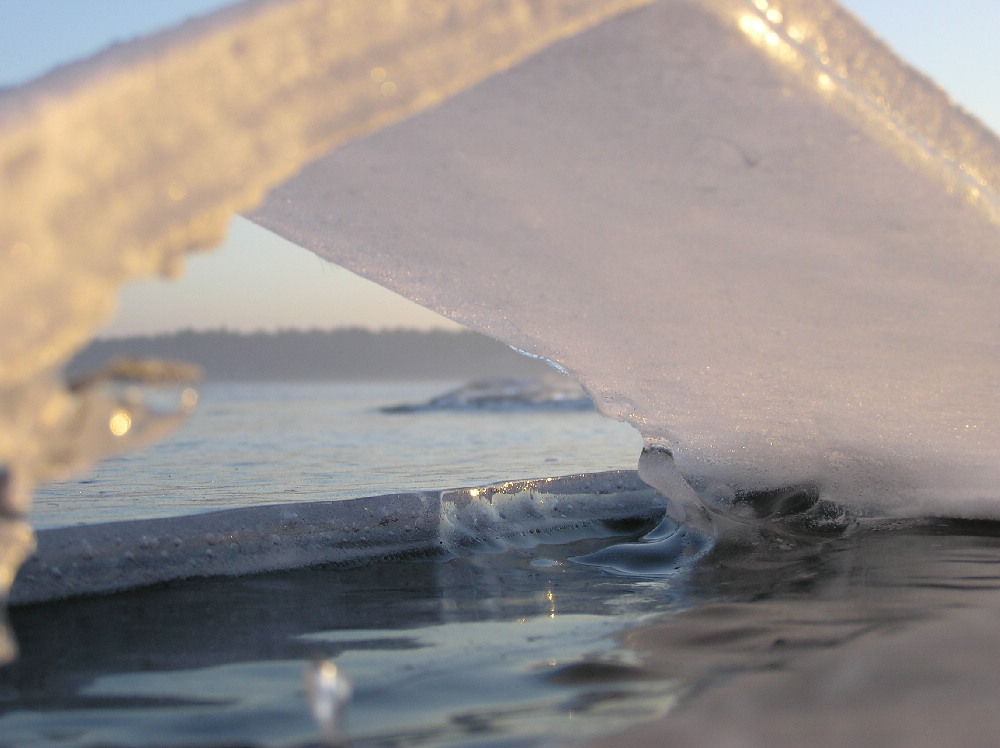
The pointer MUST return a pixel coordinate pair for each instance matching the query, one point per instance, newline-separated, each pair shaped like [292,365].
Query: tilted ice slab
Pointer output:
[747,229]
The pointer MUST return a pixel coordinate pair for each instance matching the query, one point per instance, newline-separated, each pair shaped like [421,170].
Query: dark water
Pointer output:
[889,634]
[452,652]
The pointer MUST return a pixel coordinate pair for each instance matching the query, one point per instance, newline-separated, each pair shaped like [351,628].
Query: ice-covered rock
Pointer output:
[503,394]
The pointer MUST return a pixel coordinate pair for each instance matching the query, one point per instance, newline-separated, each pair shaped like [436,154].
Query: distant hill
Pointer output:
[349,354]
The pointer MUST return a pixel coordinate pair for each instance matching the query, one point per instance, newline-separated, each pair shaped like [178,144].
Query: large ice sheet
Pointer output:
[747,229]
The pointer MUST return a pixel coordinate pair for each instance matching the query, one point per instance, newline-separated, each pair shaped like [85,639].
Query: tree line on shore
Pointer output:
[342,354]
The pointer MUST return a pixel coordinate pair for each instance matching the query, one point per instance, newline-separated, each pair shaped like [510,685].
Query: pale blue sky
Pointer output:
[953,41]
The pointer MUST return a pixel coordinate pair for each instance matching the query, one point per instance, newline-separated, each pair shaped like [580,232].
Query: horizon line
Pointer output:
[225,330]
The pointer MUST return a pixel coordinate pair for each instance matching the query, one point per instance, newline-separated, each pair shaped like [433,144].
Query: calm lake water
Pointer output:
[251,444]
[885,635]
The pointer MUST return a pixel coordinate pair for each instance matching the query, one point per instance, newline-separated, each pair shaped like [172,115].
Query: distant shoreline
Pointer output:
[303,355]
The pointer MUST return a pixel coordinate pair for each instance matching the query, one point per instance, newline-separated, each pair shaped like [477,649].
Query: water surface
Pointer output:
[886,634]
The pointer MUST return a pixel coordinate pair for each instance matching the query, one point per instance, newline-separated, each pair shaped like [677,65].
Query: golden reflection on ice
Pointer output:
[120,422]
[771,13]
[762,34]
[754,27]
[892,115]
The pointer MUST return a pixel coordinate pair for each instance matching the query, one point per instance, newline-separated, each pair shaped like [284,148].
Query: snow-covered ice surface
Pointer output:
[751,233]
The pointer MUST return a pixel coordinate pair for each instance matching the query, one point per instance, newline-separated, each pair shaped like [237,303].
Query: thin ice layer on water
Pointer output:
[747,228]
[107,557]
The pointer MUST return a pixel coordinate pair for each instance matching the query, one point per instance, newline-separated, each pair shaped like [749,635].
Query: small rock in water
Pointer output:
[505,394]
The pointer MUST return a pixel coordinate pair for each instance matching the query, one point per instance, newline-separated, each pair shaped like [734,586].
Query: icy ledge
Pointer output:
[120,555]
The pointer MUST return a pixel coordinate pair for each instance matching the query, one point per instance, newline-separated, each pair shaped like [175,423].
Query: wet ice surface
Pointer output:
[777,641]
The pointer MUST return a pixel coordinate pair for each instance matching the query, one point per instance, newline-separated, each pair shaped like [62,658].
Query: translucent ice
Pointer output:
[747,229]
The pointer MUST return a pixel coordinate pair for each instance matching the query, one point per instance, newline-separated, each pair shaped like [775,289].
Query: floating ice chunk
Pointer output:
[506,394]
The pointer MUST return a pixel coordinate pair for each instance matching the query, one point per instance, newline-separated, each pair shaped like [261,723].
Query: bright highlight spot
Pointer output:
[120,422]
[759,32]
[754,27]
[189,398]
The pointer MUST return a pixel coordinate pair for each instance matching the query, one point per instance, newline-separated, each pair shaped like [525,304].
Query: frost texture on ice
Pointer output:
[747,229]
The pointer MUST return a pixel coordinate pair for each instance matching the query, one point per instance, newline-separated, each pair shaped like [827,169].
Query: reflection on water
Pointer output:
[887,636]
[438,652]
[776,641]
